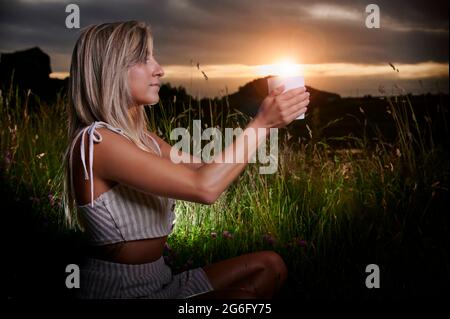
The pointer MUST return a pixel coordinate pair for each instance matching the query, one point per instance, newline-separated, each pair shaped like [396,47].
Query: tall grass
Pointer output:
[327,213]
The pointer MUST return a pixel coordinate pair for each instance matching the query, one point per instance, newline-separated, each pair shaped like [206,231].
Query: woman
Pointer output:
[125,202]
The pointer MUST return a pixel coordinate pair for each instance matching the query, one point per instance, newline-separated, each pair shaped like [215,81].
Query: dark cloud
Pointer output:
[247,32]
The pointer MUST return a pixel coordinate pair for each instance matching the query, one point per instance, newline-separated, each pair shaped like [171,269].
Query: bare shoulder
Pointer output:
[110,137]
[110,141]
[113,152]
[118,159]
[111,146]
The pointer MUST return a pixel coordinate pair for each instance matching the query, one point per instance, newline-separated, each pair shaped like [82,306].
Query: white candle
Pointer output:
[290,82]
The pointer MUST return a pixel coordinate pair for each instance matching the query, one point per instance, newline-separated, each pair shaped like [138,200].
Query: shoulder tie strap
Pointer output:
[154,142]
[93,136]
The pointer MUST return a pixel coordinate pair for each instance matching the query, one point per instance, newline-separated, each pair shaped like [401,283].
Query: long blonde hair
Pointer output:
[98,90]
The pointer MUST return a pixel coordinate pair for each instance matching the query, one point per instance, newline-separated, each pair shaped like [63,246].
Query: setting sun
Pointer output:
[285,67]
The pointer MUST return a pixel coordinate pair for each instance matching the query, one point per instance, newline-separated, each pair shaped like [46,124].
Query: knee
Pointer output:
[275,262]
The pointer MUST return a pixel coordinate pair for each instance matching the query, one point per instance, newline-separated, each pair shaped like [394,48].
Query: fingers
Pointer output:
[292,93]
[292,104]
[289,105]
[297,113]
[298,109]
[277,91]
[298,98]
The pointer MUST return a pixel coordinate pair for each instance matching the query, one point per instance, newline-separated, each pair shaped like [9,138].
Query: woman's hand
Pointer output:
[279,109]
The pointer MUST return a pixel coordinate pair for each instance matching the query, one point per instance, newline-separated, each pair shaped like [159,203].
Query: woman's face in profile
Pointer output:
[144,80]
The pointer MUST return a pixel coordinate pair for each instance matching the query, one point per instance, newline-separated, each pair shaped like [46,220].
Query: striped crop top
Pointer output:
[121,213]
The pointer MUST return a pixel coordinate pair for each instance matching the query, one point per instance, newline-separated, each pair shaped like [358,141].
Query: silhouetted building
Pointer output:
[30,69]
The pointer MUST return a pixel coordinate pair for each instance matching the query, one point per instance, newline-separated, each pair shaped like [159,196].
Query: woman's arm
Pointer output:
[277,110]
[229,164]
[189,160]
[118,159]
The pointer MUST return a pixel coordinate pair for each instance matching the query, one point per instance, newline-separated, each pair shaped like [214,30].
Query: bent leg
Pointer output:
[261,273]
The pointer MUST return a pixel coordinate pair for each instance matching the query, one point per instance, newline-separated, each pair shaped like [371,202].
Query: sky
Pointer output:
[234,40]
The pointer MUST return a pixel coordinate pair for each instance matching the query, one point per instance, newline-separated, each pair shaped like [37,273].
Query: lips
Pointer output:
[155,84]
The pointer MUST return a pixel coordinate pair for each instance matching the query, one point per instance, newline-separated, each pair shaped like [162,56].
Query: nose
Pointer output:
[159,72]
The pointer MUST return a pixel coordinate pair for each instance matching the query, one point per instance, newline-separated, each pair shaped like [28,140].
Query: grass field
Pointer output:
[328,212]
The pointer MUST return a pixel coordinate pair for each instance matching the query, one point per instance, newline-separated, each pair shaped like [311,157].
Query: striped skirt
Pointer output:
[101,279]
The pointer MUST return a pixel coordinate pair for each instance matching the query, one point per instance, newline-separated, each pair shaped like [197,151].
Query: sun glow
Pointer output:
[286,67]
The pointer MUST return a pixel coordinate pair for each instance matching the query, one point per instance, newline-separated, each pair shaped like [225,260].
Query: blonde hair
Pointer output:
[98,90]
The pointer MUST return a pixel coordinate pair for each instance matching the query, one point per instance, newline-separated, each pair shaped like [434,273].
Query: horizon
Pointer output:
[217,87]
[338,47]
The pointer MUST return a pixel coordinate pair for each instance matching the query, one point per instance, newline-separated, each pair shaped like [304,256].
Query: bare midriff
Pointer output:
[130,252]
